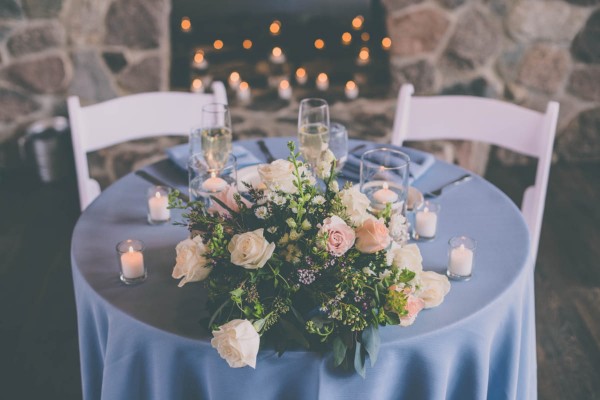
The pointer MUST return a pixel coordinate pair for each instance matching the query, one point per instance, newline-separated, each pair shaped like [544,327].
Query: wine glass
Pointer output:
[213,138]
[313,130]
[338,144]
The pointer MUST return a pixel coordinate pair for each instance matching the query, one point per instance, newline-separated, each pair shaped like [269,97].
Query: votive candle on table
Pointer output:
[158,205]
[131,261]
[351,90]
[197,86]
[234,80]
[284,90]
[385,195]
[426,220]
[461,253]
[214,183]
[301,76]
[243,92]
[277,56]
[199,62]
[322,81]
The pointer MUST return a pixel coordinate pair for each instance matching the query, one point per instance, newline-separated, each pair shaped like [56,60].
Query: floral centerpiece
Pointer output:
[291,265]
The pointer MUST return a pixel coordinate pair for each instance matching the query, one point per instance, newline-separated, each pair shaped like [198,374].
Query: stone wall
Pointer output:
[96,49]
[525,51]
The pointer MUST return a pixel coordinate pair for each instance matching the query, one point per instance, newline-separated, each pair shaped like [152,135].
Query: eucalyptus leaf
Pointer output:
[259,324]
[339,351]
[371,341]
[359,359]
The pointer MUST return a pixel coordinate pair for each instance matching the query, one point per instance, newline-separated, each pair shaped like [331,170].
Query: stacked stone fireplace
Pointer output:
[524,51]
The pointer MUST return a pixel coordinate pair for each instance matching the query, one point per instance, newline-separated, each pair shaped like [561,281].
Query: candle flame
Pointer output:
[350,85]
[364,54]
[322,77]
[275,28]
[346,38]
[197,84]
[385,186]
[186,24]
[386,43]
[357,22]
[218,44]
[319,44]
[157,195]
[234,76]
[300,72]
[199,56]
[284,84]
[130,249]
[462,247]
[247,44]
[276,52]
[244,86]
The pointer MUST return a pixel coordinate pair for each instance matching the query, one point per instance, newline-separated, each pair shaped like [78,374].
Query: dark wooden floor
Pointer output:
[38,344]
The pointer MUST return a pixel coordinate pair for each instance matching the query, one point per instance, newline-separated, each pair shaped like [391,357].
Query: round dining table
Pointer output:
[147,341]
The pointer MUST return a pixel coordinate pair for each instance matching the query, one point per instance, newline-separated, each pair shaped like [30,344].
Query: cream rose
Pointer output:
[237,342]
[356,204]
[250,250]
[372,236]
[434,287]
[407,256]
[227,196]
[190,263]
[413,305]
[279,175]
[340,237]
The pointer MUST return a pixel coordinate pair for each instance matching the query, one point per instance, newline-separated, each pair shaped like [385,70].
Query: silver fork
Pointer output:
[438,191]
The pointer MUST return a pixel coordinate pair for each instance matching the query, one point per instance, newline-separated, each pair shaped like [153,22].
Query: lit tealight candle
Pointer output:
[363,56]
[277,56]
[244,93]
[351,90]
[426,223]
[214,183]
[159,207]
[461,261]
[301,76]
[346,38]
[234,80]
[132,264]
[199,61]
[284,90]
[322,81]
[385,195]
[186,24]
[197,86]
[386,43]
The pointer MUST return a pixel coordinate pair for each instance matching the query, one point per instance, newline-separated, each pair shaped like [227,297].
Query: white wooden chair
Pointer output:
[128,118]
[486,120]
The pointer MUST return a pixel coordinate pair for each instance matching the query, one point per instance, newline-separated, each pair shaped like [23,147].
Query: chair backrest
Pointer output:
[128,118]
[486,120]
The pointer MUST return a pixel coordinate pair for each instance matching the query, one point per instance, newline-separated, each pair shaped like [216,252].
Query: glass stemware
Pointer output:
[338,144]
[313,130]
[214,136]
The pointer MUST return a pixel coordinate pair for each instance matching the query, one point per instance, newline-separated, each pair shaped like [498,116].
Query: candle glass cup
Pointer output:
[158,205]
[130,256]
[461,257]
[426,221]
[338,144]
[384,179]
[205,181]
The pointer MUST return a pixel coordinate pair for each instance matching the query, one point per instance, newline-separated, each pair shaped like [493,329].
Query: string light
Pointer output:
[247,44]
[275,28]
[186,24]
[218,44]
[319,44]
[357,22]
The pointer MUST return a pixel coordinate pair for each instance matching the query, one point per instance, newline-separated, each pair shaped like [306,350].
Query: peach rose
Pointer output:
[227,197]
[372,236]
[414,305]
[340,236]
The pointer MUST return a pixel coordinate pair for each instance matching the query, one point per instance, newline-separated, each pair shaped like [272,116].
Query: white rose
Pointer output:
[237,342]
[356,204]
[190,261]
[433,288]
[399,228]
[250,250]
[279,175]
[324,165]
[407,256]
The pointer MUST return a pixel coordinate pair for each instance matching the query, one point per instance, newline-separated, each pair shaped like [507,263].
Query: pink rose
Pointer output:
[414,305]
[372,236]
[340,236]
[227,197]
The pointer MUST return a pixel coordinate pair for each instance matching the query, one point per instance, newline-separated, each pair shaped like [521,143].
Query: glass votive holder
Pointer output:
[205,181]
[130,254]
[426,221]
[158,205]
[384,178]
[461,254]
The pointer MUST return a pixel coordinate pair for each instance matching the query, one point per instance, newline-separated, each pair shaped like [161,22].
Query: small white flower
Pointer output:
[295,235]
[368,271]
[272,229]
[306,225]
[294,210]
[292,253]
[290,222]
[323,169]
[279,200]
[399,227]
[385,274]
[318,200]
[334,186]
[261,212]
[284,239]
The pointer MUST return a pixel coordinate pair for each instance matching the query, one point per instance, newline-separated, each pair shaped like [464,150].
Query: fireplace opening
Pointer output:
[338,45]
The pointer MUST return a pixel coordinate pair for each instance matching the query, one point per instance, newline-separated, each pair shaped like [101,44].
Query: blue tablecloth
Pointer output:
[146,342]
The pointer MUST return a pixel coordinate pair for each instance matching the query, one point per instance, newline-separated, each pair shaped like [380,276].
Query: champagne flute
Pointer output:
[313,130]
[216,135]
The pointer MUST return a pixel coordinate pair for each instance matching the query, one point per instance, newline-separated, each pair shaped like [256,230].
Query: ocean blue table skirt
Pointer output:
[146,341]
